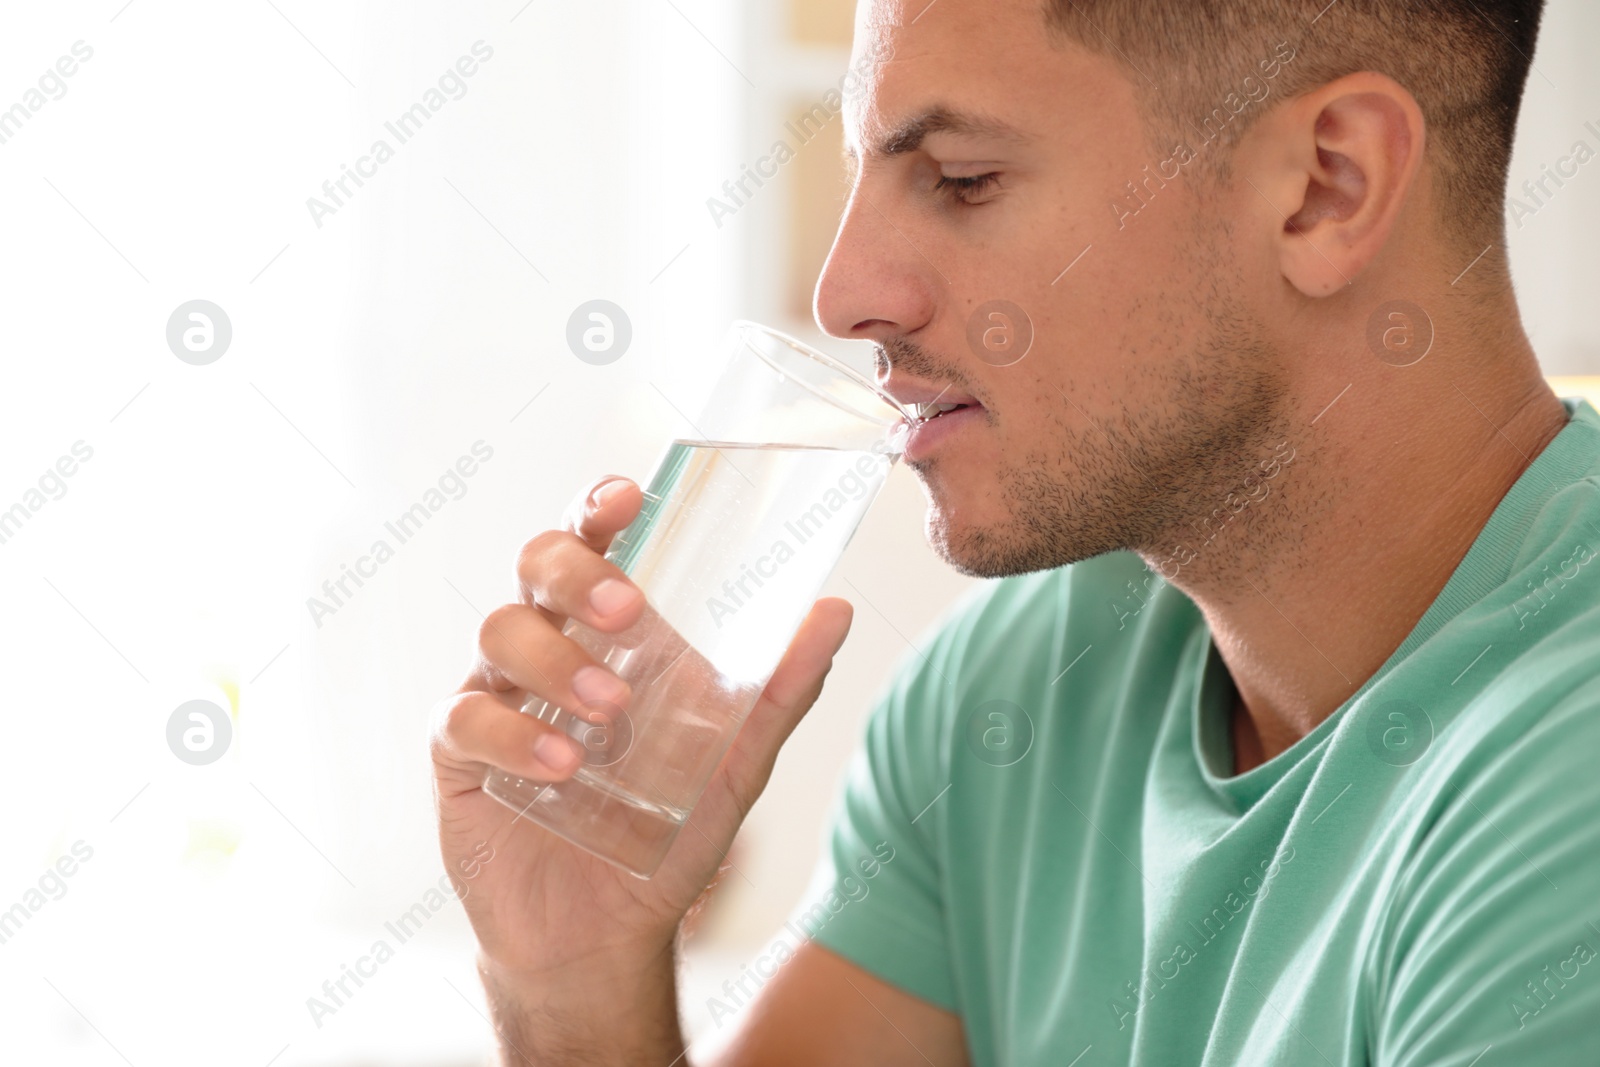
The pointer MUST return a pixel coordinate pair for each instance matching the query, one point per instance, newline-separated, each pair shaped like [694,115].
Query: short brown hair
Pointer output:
[1465,61]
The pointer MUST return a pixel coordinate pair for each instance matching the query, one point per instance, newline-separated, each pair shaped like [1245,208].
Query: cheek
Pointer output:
[1024,396]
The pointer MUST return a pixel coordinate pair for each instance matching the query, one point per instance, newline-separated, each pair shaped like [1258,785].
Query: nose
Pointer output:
[875,284]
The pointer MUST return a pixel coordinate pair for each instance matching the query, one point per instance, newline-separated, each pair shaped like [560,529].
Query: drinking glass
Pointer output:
[741,524]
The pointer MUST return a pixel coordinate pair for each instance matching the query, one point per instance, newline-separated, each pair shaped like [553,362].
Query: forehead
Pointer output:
[974,68]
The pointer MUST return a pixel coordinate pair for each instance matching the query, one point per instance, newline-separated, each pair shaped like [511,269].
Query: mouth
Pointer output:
[934,423]
[929,412]
[933,410]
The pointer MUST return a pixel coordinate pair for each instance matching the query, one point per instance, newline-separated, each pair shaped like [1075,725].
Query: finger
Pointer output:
[788,696]
[472,729]
[564,577]
[520,649]
[606,509]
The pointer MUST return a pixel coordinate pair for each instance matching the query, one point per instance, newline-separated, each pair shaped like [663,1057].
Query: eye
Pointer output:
[968,190]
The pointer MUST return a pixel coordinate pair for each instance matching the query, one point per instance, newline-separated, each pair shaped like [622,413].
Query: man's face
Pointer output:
[992,165]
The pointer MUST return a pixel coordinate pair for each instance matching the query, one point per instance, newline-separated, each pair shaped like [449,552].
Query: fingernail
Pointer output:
[604,494]
[611,596]
[555,752]
[596,685]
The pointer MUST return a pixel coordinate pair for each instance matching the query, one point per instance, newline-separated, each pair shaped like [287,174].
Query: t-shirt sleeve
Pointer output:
[876,896]
[1495,953]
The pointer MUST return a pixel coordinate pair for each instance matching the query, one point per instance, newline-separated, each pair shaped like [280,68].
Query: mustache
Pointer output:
[908,357]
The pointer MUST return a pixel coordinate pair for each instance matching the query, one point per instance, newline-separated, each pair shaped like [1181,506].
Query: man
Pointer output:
[1293,763]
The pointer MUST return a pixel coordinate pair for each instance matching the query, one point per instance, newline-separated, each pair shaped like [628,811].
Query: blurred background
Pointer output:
[175,506]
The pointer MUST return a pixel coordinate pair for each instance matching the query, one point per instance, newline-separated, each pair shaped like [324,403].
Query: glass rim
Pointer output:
[833,364]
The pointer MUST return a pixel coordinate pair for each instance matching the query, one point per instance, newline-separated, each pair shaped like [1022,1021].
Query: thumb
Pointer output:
[788,696]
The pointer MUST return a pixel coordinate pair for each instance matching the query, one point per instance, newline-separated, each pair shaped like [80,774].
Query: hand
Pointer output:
[540,906]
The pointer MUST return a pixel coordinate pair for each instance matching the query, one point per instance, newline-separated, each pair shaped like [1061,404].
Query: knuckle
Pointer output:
[496,627]
[532,556]
[450,719]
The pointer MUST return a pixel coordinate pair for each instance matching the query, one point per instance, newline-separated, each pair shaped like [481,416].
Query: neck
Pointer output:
[1313,583]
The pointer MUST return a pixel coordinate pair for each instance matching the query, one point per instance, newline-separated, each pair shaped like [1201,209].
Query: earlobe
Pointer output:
[1355,148]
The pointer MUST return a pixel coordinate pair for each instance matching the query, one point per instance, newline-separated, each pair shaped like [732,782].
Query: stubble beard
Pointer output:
[1142,477]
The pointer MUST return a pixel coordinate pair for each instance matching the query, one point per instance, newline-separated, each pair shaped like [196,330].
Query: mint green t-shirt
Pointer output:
[1042,832]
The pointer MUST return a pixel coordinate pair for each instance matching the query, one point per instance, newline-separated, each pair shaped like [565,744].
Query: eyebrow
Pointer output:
[907,136]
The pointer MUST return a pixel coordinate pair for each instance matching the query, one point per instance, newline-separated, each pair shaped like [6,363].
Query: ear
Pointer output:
[1336,166]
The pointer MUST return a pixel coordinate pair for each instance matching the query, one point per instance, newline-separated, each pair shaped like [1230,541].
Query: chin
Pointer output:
[977,549]
[960,529]
[1000,532]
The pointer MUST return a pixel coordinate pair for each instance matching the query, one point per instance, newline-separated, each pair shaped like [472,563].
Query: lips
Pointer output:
[934,412]
[927,433]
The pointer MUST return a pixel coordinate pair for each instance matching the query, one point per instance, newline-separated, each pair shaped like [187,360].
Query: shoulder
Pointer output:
[1537,716]
[1497,885]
